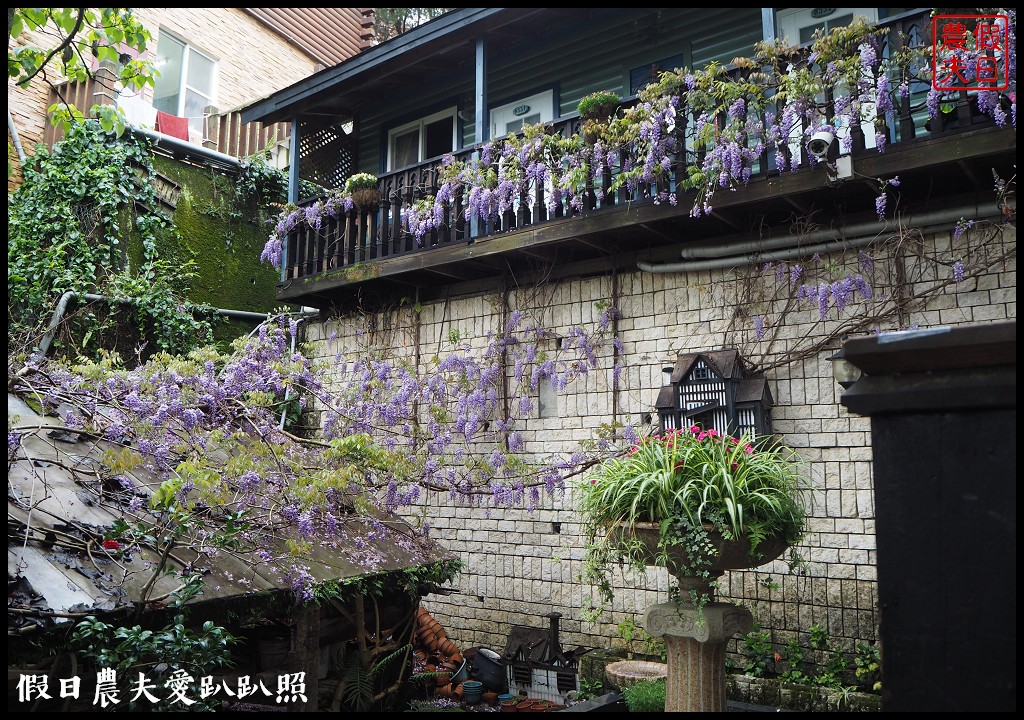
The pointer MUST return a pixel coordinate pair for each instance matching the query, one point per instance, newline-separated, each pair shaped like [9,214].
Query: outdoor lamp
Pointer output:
[844,371]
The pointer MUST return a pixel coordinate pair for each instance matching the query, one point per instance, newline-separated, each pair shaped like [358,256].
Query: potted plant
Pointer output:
[362,187]
[595,110]
[695,501]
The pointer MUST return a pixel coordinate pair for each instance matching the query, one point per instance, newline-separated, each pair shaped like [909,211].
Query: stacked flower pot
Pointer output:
[440,656]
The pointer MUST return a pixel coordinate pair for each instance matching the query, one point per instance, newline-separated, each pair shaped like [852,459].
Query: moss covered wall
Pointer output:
[223,236]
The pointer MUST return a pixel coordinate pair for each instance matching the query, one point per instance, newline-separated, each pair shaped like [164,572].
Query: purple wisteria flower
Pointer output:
[958,271]
[961,227]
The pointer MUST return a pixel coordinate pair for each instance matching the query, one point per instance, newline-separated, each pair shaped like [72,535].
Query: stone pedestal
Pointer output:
[695,651]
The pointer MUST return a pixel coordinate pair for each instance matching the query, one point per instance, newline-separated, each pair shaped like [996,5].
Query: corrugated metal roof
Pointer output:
[328,35]
[61,499]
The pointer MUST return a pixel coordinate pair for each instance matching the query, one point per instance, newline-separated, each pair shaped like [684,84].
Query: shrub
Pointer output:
[646,695]
[361,181]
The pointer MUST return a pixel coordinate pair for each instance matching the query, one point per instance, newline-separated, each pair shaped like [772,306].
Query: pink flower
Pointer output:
[695,429]
[748,449]
[735,466]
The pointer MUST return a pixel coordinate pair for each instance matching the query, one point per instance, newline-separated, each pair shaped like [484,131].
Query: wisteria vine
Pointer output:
[196,441]
[765,110]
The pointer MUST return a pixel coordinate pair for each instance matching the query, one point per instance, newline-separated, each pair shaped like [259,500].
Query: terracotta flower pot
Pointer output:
[490,697]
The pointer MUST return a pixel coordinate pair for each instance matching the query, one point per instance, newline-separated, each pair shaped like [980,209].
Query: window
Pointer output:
[426,138]
[511,117]
[797,25]
[187,80]
[646,74]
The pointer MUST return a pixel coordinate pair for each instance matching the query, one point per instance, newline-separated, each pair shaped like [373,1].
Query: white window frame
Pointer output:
[544,102]
[421,125]
[183,86]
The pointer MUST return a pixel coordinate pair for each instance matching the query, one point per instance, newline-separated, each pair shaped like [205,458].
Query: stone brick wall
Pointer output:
[521,565]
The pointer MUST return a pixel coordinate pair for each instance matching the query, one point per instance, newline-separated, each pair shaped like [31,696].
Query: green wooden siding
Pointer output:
[595,53]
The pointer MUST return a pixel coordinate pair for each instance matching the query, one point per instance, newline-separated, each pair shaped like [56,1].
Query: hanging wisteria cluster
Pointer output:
[200,441]
[461,420]
[763,111]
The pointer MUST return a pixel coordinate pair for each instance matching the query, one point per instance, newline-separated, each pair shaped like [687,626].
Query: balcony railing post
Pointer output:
[389,218]
[394,245]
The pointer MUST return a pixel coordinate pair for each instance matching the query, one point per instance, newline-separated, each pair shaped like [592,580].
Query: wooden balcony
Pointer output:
[361,253]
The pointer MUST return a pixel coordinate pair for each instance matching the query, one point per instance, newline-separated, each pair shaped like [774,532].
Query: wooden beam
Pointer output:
[306,655]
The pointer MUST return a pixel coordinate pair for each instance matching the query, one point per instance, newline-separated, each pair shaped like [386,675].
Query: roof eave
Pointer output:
[282,104]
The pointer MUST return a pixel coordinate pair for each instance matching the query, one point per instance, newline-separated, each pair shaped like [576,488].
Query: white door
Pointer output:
[531,110]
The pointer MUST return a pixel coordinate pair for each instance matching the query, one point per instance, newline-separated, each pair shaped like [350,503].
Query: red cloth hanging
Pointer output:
[172,125]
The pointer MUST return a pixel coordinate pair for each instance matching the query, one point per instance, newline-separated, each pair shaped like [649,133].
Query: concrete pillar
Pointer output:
[695,641]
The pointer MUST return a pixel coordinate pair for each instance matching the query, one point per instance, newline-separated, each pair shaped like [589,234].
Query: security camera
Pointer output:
[820,144]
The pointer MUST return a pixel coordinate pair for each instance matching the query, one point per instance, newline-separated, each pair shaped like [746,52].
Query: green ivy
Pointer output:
[413,581]
[85,220]
[757,648]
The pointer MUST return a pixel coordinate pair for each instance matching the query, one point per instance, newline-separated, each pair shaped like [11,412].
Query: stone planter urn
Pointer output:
[696,637]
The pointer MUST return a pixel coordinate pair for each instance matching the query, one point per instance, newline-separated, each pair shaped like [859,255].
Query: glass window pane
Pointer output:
[200,72]
[405,149]
[167,92]
[194,106]
[439,138]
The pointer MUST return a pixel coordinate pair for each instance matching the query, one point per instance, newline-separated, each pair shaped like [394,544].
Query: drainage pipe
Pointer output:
[66,298]
[745,251]
[14,137]
[288,390]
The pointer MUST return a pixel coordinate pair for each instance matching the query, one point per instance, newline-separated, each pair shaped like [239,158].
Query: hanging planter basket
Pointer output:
[366,199]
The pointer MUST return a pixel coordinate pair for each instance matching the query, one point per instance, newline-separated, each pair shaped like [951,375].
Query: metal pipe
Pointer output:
[66,298]
[288,390]
[14,137]
[180,147]
[736,248]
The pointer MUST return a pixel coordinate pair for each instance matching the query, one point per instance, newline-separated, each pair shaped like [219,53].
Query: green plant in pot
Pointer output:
[696,502]
[362,187]
[595,110]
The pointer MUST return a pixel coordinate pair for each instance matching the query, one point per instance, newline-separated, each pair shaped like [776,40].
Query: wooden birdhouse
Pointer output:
[711,389]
